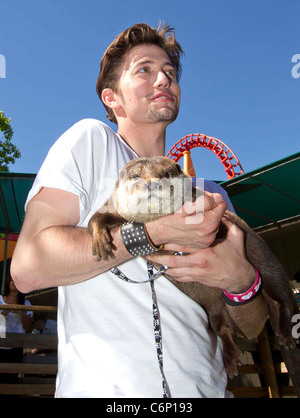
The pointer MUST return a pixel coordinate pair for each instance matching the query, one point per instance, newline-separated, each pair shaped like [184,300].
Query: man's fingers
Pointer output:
[212,200]
[203,203]
[167,260]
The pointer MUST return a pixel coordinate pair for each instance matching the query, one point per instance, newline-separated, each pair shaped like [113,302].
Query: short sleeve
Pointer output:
[70,163]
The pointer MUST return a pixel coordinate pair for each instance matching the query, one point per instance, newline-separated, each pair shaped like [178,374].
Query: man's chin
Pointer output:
[162,115]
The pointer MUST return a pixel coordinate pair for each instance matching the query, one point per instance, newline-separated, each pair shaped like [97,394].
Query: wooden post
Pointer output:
[267,364]
[32,308]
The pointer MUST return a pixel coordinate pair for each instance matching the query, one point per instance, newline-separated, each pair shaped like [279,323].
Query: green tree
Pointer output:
[8,151]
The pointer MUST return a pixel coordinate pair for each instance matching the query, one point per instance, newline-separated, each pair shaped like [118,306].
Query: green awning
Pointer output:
[268,196]
[14,189]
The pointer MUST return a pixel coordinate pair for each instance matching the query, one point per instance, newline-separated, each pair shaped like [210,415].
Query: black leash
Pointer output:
[156,320]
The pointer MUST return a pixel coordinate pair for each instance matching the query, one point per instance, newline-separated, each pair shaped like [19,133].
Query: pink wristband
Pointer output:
[242,298]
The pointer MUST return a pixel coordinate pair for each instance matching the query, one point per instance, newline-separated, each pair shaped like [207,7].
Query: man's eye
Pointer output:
[144,70]
[171,73]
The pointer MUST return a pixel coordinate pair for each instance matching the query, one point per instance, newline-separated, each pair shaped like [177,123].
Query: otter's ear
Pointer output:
[179,168]
[110,98]
[122,174]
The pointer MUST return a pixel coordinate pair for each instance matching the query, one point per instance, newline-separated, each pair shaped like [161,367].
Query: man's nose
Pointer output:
[162,80]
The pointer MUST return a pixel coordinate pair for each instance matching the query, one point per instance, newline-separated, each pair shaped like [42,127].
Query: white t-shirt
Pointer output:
[105,325]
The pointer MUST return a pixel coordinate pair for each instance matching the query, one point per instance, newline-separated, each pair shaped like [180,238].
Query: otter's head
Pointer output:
[149,188]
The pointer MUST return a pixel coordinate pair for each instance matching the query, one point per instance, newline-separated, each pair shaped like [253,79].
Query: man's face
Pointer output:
[148,90]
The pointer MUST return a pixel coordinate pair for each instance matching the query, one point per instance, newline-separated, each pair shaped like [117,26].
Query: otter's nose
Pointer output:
[152,185]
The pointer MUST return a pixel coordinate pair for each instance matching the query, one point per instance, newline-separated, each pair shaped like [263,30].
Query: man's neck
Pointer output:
[147,140]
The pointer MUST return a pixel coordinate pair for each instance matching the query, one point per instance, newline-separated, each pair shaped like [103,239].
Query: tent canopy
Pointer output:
[14,189]
[269,196]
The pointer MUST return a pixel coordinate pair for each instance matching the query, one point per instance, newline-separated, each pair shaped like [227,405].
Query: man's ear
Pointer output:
[110,98]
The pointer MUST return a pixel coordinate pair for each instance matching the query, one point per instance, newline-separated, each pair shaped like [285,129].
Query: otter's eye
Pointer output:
[166,175]
[136,177]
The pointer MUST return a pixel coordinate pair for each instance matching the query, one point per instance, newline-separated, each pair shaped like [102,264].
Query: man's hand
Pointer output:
[195,225]
[223,264]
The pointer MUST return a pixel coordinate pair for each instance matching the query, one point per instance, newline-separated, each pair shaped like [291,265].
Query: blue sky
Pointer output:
[237,83]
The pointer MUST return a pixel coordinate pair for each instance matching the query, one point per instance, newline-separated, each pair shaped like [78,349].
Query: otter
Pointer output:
[149,188]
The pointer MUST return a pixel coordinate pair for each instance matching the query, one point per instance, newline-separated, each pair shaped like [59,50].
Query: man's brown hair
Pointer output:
[138,34]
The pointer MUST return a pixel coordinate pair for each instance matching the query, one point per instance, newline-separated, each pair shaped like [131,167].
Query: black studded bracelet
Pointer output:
[136,240]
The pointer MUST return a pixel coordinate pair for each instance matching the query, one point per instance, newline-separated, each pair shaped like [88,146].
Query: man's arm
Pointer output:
[51,251]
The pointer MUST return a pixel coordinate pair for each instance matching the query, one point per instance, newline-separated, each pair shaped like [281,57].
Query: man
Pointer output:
[105,325]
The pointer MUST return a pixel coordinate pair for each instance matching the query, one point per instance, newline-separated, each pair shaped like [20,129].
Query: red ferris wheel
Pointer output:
[227,157]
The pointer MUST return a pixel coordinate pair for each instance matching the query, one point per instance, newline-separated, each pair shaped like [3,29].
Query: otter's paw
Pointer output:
[231,361]
[283,328]
[101,243]
[285,338]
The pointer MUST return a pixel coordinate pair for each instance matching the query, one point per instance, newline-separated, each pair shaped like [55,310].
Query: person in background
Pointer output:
[44,325]
[18,322]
